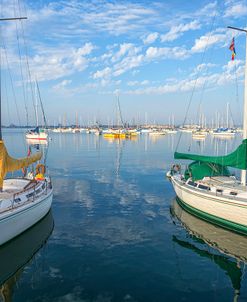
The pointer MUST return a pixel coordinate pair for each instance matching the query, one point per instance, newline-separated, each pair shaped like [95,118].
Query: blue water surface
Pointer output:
[112,235]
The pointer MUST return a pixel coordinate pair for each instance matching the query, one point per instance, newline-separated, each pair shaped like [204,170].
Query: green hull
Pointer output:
[235,227]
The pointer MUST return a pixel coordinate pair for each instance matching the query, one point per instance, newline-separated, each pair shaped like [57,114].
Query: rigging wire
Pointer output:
[41,104]
[27,62]
[11,82]
[195,83]
[21,66]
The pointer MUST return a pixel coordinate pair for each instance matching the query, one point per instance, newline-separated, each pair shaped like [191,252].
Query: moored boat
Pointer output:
[207,189]
[23,200]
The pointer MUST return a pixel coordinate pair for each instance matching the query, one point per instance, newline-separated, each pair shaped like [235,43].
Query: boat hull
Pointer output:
[225,212]
[18,220]
[36,137]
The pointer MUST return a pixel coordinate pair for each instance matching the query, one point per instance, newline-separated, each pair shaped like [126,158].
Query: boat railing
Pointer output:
[33,191]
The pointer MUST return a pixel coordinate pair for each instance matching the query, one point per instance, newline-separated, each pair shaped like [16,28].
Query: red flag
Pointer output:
[232,48]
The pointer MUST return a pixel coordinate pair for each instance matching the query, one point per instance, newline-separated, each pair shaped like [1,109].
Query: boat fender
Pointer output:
[40,172]
[176,168]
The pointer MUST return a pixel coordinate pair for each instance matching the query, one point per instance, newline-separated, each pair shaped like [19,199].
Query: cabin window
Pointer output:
[191,183]
[29,195]
[233,193]
[219,191]
[203,187]
[38,191]
[17,200]
[43,186]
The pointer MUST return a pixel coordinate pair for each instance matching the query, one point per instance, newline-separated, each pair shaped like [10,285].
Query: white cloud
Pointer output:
[117,18]
[209,10]
[208,40]
[62,84]
[125,49]
[102,73]
[151,38]
[128,63]
[138,83]
[177,31]
[85,49]
[236,10]
[53,63]
[166,52]
[228,75]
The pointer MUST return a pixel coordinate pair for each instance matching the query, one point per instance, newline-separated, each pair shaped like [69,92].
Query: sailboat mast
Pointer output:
[4,19]
[243,172]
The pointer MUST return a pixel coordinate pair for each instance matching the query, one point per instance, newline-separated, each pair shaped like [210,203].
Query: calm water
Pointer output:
[115,232]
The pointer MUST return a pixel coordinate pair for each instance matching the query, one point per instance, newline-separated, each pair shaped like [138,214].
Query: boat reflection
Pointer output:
[18,252]
[226,249]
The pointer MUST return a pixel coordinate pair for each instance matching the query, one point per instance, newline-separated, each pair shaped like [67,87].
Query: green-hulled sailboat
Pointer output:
[207,190]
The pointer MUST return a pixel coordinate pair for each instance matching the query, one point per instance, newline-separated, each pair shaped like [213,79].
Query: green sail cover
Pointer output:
[198,170]
[236,159]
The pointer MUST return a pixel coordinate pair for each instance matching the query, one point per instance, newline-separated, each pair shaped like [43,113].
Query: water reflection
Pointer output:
[18,252]
[226,249]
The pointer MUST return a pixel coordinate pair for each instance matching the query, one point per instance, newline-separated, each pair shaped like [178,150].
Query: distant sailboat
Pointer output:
[37,133]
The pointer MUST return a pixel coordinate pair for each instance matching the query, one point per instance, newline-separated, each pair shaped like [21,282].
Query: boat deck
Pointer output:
[225,182]
[13,186]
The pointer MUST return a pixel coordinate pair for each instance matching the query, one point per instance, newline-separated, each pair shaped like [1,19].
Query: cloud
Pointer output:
[62,84]
[117,18]
[166,52]
[85,50]
[128,63]
[52,63]
[177,31]
[151,38]
[125,49]
[236,10]
[208,40]
[138,83]
[209,10]
[102,73]
[228,75]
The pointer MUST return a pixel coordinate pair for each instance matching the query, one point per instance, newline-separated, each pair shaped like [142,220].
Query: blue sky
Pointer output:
[152,54]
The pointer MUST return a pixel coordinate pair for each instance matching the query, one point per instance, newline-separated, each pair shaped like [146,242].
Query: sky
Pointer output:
[155,56]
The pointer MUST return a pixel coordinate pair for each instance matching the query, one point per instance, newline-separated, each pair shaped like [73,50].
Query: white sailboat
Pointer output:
[25,200]
[226,132]
[37,133]
[207,189]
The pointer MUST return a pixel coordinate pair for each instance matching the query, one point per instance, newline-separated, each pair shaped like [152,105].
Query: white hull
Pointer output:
[16,220]
[229,243]
[224,134]
[157,133]
[37,136]
[229,209]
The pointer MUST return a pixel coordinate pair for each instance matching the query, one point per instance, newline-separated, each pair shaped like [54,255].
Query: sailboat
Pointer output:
[37,133]
[207,189]
[24,200]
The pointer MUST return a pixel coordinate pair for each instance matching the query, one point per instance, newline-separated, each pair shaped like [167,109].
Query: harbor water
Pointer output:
[116,232]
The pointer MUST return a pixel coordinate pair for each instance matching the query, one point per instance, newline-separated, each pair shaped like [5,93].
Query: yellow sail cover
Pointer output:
[9,164]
